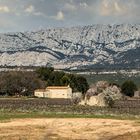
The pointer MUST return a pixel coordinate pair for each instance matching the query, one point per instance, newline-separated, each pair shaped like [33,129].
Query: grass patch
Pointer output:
[4,116]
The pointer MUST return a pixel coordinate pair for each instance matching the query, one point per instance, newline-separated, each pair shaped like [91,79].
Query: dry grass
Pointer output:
[69,129]
[128,136]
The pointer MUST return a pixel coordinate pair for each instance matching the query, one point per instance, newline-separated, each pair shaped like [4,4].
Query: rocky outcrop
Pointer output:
[102,94]
[94,101]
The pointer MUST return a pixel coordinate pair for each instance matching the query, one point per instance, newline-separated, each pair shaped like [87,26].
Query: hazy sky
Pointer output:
[23,15]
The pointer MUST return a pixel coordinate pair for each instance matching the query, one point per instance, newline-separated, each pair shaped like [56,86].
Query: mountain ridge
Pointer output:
[74,47]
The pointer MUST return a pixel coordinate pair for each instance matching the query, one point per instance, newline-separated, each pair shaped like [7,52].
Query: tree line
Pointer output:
[60,78]
[23,83]
[18,83]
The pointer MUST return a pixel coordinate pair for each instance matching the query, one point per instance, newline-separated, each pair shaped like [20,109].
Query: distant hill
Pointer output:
[96,46]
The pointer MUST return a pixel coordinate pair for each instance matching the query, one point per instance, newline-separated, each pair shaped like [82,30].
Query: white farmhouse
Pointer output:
[54,92]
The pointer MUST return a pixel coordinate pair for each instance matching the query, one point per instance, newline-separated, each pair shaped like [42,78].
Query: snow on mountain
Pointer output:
[74,48]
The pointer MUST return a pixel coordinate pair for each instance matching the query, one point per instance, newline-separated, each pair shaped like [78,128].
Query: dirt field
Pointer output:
[69,129]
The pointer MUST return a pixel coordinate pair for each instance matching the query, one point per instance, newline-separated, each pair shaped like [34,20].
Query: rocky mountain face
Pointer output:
[96,46]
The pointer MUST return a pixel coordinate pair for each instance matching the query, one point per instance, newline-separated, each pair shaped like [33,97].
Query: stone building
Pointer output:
[54,92]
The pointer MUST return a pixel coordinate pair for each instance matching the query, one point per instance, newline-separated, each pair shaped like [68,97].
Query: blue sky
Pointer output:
[24,15]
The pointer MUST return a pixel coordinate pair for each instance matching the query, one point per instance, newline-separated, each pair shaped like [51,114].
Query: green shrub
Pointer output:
[128,88]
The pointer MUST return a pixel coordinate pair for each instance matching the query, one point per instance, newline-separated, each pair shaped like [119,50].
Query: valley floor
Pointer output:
[69,129]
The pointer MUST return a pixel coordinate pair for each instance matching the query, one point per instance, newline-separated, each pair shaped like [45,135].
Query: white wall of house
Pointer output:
[39,93]
[60,93]
[54,92]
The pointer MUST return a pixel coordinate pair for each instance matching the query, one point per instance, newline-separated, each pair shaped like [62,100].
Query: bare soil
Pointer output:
[69,129]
